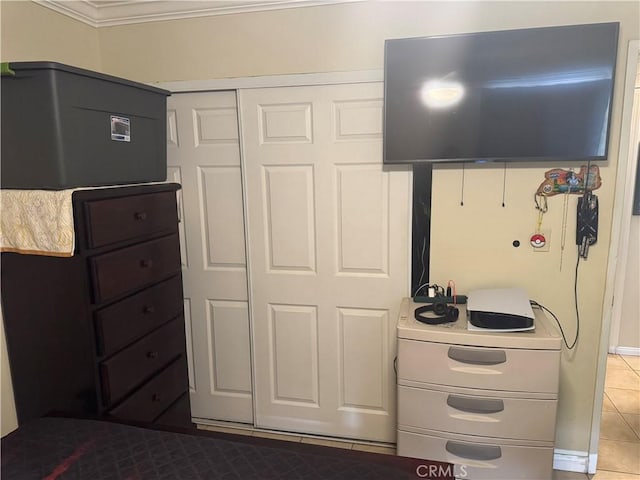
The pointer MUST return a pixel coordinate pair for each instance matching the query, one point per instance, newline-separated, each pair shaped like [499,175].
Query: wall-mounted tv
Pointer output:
[535,94]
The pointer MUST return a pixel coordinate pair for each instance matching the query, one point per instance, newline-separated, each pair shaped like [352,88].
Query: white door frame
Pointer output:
[294,80]
[619,246]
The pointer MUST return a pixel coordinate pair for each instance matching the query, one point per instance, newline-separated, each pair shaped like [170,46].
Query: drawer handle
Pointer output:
[152,354]
[473,452]
[140,215]
[146,263]
[477,357]
[155,397]
[475,405]
[148,309]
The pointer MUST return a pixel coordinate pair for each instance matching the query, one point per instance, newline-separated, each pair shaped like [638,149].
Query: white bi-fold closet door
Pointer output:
[328,254]
[204,156]
[328,239]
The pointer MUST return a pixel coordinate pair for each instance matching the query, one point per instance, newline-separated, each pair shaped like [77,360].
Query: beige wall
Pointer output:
[320,39]
[630,321]
[30,32]
[471,244]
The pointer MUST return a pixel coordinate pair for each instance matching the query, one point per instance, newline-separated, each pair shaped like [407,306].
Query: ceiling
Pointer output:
[101,13]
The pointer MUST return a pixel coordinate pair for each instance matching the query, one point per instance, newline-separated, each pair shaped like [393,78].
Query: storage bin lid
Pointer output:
[20,66]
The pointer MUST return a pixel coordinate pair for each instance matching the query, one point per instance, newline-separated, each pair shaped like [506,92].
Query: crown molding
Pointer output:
[110,13]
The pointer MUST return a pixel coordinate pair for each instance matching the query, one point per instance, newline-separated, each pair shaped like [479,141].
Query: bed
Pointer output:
[53,448]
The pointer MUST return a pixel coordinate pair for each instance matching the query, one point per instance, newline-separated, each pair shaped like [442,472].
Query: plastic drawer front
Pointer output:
[475,458]
[476,367]
[477,414]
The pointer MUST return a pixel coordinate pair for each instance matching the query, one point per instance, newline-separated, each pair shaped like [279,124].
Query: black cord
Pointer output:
[575,297]
[424,267]
[575,292]
[462,188]
[504,183]
[564,338]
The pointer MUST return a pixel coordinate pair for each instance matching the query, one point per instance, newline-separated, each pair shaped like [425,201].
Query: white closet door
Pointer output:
[328,231]
[204,156]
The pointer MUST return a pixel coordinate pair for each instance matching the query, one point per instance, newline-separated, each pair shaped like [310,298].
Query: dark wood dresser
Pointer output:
[102,332]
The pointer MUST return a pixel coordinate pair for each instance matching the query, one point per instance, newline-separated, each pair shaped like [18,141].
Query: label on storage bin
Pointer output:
[120,129]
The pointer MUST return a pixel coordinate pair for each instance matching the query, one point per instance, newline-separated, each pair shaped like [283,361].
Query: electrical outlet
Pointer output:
[540,241]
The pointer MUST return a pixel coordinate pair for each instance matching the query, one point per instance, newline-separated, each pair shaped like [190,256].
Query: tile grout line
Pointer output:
[632,429]
[627,363]
[621,414]
[626,366]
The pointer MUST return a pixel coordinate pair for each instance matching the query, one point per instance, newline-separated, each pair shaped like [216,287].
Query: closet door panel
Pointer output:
[204,154]
[328,236]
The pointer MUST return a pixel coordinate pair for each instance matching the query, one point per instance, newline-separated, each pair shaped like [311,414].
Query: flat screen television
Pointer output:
[535,94]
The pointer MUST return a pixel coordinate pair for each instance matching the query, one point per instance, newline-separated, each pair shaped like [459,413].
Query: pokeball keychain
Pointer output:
[538,240]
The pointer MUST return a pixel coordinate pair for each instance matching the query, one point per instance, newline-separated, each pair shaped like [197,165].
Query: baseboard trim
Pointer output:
[571,461]
[593,463]
[631,351]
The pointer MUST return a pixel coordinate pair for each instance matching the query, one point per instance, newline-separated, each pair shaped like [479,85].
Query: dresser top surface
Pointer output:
[544,337]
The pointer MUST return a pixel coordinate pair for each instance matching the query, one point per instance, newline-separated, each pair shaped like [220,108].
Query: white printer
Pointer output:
[499,310]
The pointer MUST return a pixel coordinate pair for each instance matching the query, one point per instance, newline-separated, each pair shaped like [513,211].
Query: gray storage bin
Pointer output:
[65,127]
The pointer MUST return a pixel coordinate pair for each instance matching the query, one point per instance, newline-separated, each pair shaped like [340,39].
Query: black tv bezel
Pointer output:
[527,159]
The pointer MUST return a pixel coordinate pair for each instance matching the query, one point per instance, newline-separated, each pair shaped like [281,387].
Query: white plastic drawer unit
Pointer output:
[477,458]
[477,413]
[478,367]
[484,401]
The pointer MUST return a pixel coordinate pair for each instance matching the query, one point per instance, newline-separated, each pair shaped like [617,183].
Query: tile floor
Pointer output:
[619,452]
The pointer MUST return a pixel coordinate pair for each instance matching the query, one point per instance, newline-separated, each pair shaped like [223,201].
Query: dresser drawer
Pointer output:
[119,219]
[178,414]
[475,459]
[121,323]
[123,270]
[517,370]
[155,396]
[489,416]
[130,367]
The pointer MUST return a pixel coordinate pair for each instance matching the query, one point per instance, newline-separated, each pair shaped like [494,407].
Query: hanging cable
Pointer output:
[542,207]
[563,238]
[424,267]
[462,188]
[504,183]
[575,293]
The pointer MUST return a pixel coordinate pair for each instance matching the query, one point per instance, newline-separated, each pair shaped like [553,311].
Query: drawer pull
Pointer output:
[152,354]
[146,263]
[473,452]
[477,357]
[155,397]
[140,215]
[148,309]
[475,405]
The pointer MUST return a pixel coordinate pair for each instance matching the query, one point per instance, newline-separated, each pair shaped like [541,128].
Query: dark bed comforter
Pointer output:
[62,448]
